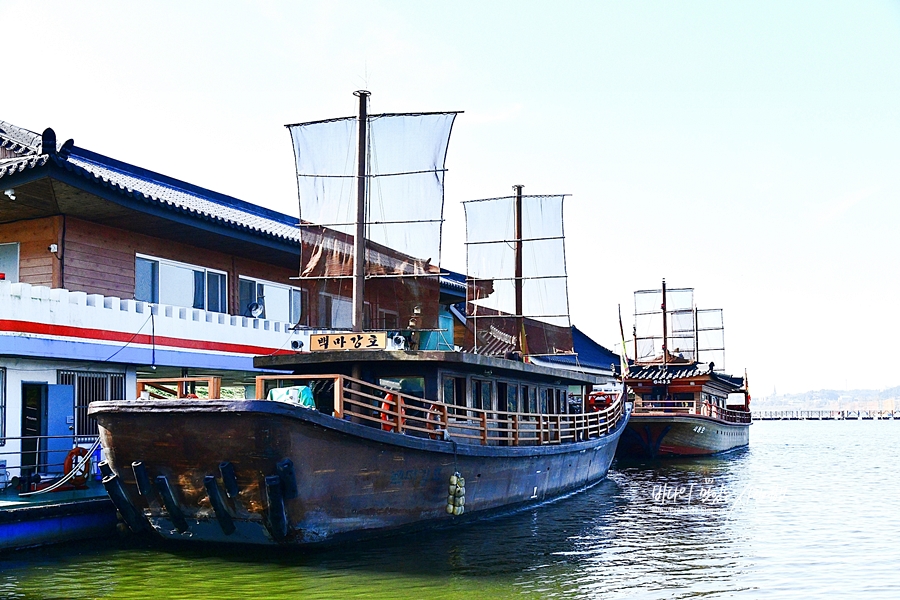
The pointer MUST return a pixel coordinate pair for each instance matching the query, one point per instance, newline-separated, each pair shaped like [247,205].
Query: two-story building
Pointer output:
[108,271]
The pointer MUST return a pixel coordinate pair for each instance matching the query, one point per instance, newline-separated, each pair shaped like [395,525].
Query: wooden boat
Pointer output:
[369,459]
[359,442]
[681,404]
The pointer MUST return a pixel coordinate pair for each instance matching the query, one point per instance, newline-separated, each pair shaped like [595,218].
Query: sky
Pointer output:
[746,149]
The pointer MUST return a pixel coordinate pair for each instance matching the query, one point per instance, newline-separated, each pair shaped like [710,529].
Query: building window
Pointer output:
[278,302]
[90,387]
[163,281]
[9,261]
[335,312]
[388,319]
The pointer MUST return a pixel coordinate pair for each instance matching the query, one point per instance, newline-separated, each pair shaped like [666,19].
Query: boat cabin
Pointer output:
[476,397]
[687,387]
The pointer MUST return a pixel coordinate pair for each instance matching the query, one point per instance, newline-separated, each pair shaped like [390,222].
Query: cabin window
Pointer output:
[411,386]
[448,390]
[168,282]
[529,399]
[487,395]
[482,394]
[9,261]
[278,302]
[335,312]
[561,403]
[543,397]
[512,398]
[91,387]
[454,390]
[574,399]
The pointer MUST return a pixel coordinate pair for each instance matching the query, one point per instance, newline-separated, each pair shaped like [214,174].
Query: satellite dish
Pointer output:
[255,309]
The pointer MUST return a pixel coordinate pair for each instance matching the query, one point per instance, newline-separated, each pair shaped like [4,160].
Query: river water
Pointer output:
[808,510]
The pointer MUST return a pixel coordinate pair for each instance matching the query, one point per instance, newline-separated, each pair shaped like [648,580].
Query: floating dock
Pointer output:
[55,517]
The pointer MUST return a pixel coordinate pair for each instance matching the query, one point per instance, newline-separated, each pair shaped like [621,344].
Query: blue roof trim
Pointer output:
[130,182]
[154,177]
[117,195]
[589,353]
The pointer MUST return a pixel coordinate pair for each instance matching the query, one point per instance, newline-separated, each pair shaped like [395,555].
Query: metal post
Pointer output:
[520,321]
[359,239]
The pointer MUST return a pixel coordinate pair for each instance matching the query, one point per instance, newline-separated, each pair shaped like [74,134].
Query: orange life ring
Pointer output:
[387,420]
[432,422]
[75,462]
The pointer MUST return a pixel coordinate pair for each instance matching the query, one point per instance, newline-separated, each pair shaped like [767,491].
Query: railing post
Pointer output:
[484,428]
[399,415]
[515,424]
[339,397]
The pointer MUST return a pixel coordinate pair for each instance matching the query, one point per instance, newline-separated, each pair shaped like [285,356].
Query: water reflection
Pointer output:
[613,539]
[807,511]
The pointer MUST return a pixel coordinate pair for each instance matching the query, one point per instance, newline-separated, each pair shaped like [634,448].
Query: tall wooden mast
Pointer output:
[665,344]
[359,239]
[520,320]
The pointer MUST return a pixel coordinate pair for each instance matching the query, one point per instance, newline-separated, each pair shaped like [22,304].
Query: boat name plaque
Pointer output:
[375,340]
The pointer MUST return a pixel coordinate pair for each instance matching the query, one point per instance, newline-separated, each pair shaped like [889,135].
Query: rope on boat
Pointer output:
[68,476]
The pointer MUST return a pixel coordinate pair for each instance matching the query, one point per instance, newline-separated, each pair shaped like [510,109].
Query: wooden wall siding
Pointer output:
[37,265]
[100,260]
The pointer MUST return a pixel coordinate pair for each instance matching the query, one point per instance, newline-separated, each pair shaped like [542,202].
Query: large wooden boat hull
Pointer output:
[655,436]
[352,479]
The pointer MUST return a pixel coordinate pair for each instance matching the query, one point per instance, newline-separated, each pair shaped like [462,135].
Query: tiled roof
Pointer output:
[18,139]
[175,197]
[145,186]
[669,373]
[9,166]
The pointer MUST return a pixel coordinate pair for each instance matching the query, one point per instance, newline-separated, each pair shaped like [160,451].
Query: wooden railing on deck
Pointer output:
[389,410]
[179,387]
[690,407]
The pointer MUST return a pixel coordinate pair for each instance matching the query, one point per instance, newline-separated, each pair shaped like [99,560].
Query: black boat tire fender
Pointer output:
[276,515]
[130,514]
[75,461]
[142,479]
[218,504]
[176,516]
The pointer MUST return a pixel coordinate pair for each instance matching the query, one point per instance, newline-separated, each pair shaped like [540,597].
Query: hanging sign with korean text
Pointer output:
[374,340]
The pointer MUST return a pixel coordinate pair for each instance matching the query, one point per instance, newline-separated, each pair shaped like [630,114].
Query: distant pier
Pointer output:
[826,415]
